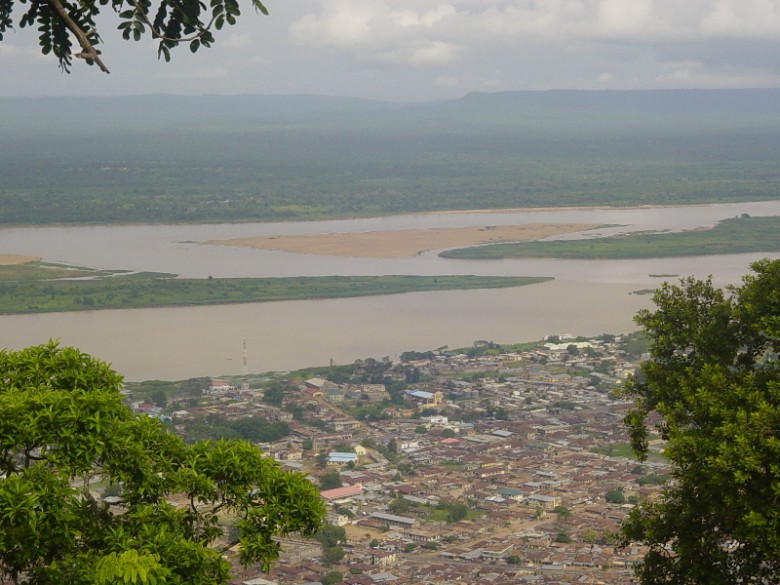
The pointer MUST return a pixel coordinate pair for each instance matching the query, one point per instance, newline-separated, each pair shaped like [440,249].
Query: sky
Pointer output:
[419,50]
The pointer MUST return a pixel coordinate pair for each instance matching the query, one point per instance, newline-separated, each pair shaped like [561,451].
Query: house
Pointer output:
[383,558]
[493,553]
[409,446]
[436,419]
[345,425]
[219,387]
[421,397]
[545,502]
[393,521]
[341,494]
[336,519]
[338,458]
[316,383]
[511,494]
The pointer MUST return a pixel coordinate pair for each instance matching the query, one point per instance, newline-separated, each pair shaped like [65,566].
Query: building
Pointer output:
[393,521]
[337,458]
[421,397]
[546,502]
[341,494]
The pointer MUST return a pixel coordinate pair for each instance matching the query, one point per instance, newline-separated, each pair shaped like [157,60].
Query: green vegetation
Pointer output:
[712,388]
[332,578]
[64,430]
[615,496]
[616,450]
[249,158]
[652,479]
[635,344]
[330,480]
[562,535]
[452,512]
[731,236]
[170,22]
[331,538]
[253,429]
[27,289]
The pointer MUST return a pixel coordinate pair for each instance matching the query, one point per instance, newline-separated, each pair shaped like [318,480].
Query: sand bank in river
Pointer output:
[402,243]
[15,259]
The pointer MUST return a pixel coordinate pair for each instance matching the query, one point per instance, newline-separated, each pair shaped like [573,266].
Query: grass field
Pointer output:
[41,288]
[732,236]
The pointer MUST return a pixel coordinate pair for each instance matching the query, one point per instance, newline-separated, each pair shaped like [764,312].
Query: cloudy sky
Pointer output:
[429,49]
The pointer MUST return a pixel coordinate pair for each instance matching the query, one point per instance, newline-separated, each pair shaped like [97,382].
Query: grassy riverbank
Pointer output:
[41,288]
[732,236]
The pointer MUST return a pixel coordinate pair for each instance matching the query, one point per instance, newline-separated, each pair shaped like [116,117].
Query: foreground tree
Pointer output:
[713,382]
[64,434]
[171,22]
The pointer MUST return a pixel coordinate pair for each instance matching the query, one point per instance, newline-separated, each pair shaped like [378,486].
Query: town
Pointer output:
[491,464]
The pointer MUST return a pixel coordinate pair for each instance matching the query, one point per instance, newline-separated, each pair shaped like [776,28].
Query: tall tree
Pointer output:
[64,432]
[170,22]
[713,382]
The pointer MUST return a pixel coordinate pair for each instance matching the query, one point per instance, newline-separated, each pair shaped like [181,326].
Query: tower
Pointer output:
[244,371]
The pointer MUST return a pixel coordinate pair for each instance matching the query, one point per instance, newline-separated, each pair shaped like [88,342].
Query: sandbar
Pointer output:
[16,259]
[403,243]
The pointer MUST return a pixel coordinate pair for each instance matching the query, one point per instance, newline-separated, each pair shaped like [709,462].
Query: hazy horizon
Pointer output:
[420,50]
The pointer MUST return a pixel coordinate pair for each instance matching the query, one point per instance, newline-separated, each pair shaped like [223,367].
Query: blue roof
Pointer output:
[337,456]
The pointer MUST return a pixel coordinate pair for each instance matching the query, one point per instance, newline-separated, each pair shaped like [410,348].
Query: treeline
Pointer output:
[314,168]
[253,429]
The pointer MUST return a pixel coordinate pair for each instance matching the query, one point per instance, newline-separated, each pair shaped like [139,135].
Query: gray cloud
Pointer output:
[424,49]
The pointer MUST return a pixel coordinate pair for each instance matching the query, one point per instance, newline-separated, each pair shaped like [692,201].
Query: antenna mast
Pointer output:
[245,370]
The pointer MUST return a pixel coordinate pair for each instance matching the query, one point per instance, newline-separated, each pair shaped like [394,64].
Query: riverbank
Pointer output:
[16,259]
[738,235]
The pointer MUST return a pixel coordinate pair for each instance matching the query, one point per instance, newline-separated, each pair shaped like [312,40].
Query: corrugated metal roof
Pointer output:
[342,492]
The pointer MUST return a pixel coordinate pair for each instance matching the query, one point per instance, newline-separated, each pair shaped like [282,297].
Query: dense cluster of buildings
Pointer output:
[504,468]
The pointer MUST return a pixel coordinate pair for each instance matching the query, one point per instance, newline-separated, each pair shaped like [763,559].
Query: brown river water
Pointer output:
[586,297]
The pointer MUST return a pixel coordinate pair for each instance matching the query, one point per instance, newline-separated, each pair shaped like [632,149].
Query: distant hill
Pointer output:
[682,101]
[167,110]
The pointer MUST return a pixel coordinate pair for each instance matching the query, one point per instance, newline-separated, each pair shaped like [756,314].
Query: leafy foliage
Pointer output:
[330,535]
[64,428]
[615,496]
[332,578]
[330,480]
[714,379]
[171,22]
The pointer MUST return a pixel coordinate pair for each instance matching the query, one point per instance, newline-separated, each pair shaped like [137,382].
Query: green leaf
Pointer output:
[260,7]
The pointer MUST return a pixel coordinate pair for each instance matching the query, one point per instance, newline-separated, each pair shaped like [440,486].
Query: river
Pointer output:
[587,297]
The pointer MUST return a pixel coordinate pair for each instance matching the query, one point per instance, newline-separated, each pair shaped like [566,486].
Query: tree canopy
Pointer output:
[712,386]
[65,435]
[171,22]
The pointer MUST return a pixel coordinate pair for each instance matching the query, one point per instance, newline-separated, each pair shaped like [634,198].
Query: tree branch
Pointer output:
[156,34]
[88,52]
